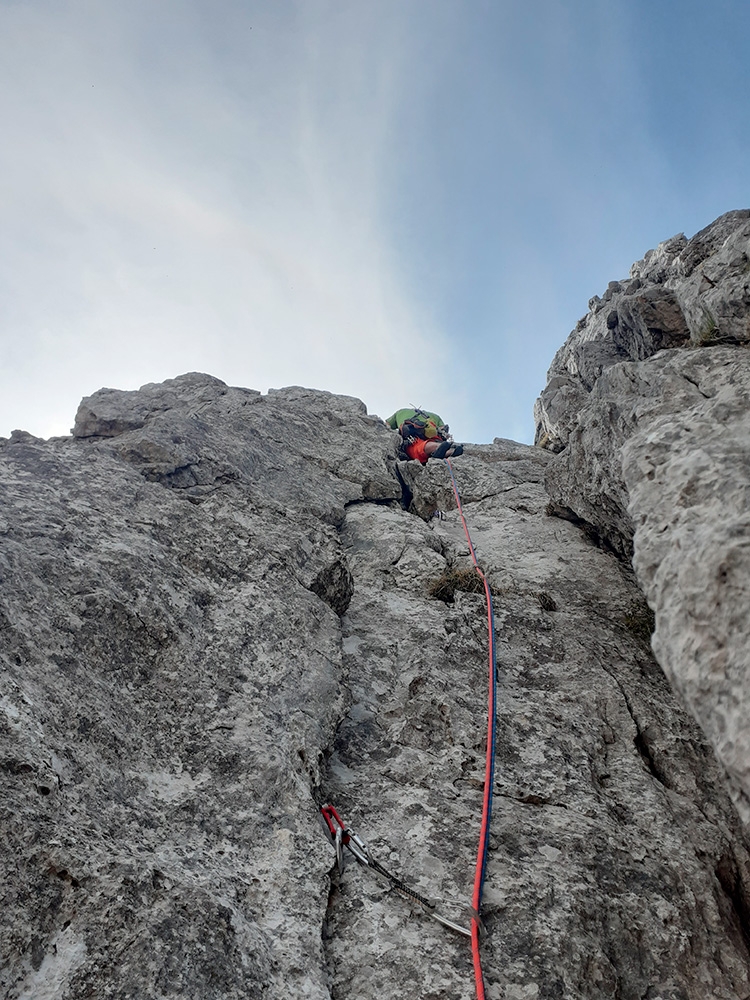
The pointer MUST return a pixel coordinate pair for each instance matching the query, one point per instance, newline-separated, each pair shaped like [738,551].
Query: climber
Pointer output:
[424,434]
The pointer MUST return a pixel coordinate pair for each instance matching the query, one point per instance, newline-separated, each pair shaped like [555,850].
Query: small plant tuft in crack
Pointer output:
[639,620]
[445,586]
[546,601]
[708,331]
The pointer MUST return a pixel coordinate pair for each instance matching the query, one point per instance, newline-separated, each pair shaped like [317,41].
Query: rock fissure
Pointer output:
[406,493]
[641,741]
[735,889]
[530,799]
[694,381]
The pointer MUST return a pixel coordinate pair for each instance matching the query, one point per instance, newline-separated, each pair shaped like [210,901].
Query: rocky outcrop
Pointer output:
[221,609]
[685,293]
[648,405]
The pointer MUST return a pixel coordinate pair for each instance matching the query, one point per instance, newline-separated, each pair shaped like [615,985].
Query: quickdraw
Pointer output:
[341,838]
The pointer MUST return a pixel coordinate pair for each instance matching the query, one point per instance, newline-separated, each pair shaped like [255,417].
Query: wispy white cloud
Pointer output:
[408,200]
[178,200]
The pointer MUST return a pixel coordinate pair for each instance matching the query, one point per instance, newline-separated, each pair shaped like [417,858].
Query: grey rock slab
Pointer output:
[171,671]
[309,449]
[688,479]
[587,480]
[614,848]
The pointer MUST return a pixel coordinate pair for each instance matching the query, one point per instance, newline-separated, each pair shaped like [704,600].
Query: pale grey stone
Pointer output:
[654,458]
[688,481]
[170,676]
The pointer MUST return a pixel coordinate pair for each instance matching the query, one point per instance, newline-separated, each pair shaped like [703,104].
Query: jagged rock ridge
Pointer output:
[649,404]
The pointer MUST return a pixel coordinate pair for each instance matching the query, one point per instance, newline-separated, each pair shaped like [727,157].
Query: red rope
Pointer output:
[489,769]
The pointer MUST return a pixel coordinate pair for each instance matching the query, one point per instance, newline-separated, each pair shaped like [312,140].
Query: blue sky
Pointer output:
[405,201]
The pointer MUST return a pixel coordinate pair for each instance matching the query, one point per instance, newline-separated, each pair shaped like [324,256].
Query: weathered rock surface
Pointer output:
[686,292]
[217,614]
[170,675]
[648,404]
[605,814]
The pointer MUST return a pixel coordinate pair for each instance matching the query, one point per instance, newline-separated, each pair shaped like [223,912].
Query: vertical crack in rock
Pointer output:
[641,744]
[327,932]
[396,714]
[641,740]
[735,884]
[406,493]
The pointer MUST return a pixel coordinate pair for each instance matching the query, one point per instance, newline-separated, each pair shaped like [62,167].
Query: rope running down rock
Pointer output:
[489,770]
[342,837]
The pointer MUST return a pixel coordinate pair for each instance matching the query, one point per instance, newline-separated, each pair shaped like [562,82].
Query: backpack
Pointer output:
[419,424]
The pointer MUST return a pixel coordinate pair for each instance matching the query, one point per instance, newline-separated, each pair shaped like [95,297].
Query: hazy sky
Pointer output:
[409,201]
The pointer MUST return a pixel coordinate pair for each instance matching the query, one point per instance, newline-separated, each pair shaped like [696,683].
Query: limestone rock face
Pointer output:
[654,442]
[605,812]
[219,610]
[172,667]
